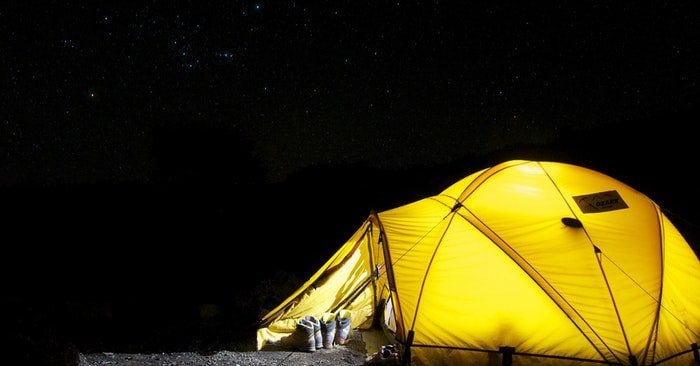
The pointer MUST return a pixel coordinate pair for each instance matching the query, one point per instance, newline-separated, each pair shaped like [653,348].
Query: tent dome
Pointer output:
[538,262]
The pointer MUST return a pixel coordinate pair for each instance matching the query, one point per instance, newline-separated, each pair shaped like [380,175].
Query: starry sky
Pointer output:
[140,141]
[88,88]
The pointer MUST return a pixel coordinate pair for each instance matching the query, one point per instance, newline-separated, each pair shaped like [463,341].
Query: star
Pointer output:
[225,55]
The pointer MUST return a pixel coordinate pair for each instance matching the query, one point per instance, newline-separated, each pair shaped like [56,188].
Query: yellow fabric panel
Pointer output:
[630,240]
[264,336]
[412,231]
[522,206]
[475,296]
[629,237]
[446,357]
[636,307]
[362,309]
[334,260]
[450,357]
[316,299]
[486,175]
[680,314]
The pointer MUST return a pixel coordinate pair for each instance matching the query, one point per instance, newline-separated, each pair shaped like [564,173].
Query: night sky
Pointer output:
[89,89]
[157,156]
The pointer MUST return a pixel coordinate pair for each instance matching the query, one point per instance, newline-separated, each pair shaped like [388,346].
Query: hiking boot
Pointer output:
[317,331]
[344,320]
[304,336]
[328,329]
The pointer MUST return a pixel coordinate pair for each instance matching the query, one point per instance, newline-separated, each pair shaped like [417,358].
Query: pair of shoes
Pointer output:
[335,328]
[307,336]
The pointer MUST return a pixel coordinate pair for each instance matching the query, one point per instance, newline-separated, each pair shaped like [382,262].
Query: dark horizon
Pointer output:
[181,219]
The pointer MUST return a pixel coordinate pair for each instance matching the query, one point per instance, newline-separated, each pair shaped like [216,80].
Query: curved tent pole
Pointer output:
[400,329]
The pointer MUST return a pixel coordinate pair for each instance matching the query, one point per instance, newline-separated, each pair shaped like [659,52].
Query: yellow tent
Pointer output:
[534,263]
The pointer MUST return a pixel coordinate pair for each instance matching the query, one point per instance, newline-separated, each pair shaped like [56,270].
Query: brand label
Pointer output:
[600,202]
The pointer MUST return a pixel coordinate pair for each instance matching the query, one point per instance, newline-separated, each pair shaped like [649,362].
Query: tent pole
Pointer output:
[507,352]
[633,360]
[406,358]
[372,268]
[400,329]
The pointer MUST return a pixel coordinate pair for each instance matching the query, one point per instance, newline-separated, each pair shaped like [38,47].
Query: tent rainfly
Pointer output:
[524,263]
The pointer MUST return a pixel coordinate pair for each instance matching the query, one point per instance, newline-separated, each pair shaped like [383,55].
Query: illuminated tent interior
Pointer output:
[522,263]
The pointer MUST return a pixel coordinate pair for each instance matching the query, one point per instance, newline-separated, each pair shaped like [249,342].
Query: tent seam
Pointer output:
[663,272]
[655,326]
[672,357]
[612,298]
[421,238]
[461,199]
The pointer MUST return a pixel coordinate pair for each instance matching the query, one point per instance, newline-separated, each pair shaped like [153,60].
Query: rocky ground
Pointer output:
[356,351]
[336,357]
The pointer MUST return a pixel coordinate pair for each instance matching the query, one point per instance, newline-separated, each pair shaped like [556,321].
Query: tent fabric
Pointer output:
[494,261]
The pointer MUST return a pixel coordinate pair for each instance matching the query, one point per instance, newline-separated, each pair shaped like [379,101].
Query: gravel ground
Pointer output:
[352,353]
[226,358]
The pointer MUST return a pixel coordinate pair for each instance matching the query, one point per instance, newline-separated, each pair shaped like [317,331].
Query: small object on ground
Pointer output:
[304,337]
[328,329]
[318,339]
[387,355]
[344,319]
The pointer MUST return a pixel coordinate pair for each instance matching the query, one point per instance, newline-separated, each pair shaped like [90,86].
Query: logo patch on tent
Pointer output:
[600,202]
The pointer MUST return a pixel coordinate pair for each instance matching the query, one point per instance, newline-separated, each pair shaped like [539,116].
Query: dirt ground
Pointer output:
[356,351]
[227,358]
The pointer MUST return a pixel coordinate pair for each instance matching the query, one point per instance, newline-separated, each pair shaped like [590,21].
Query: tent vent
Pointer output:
[696,354]
[571,222]
[507,355]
